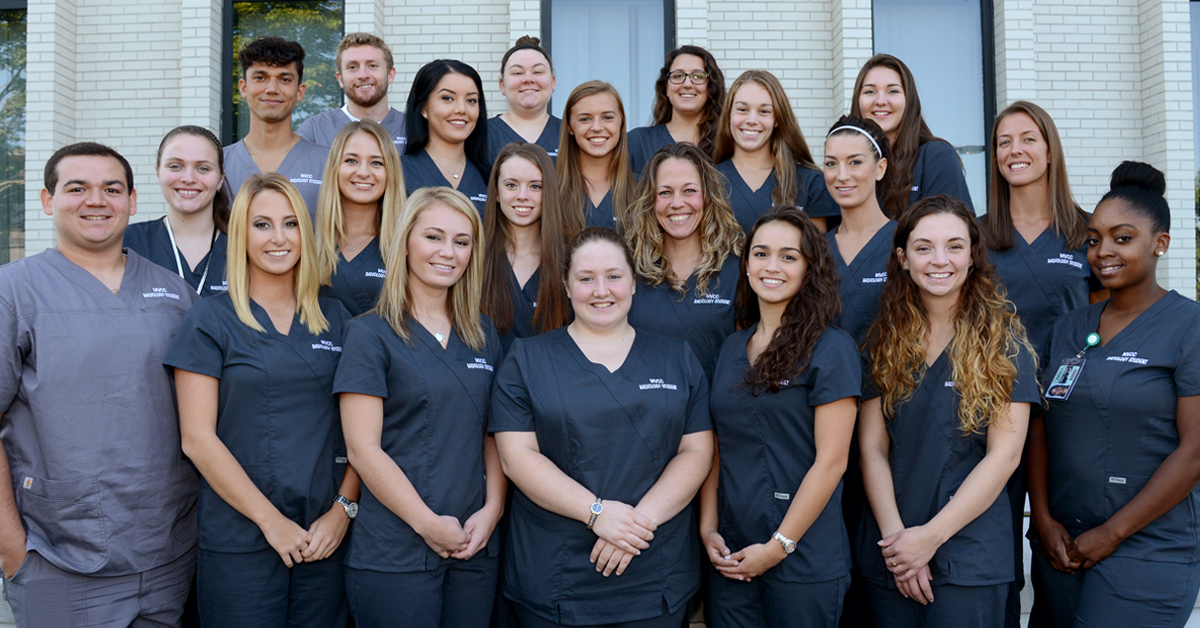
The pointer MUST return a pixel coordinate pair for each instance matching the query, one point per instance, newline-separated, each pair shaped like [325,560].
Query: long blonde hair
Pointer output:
[395,300]
[331,223]
[987,333]
[305,281]
[572,188]
[720,233]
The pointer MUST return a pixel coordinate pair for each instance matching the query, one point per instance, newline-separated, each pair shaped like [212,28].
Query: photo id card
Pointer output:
[1065,378]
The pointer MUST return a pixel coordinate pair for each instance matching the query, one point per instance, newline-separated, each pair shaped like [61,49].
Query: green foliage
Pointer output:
[12,133]
[315,24]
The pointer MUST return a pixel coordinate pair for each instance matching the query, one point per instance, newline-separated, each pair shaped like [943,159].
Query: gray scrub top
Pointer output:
[89,422]
[323,127]
[304,166]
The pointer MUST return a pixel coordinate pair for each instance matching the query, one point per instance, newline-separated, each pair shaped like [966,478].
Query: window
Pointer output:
[316,24]
[956,103]
[622,42]
[12,130]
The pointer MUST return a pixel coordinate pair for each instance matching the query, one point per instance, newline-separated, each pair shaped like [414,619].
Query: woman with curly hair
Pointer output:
[783,401]
[762,153]
[688,97]
[685,245]
[923,165]
[950,380]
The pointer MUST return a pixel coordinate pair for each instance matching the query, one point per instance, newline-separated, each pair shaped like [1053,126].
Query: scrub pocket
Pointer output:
[66,515]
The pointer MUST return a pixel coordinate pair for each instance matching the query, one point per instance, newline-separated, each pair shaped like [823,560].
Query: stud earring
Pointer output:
[1159,253]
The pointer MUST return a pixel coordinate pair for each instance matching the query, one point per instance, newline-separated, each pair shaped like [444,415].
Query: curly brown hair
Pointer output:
[715,90]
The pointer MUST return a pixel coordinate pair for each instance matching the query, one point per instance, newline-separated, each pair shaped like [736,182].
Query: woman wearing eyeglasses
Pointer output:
[689,93]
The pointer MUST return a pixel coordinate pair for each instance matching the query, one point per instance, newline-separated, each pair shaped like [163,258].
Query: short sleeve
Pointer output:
[942,173]
[364,364]
[14,346]
[512,409]
[307,129]
[698,418]
[1025,386]
[869,391]
[200,342]
[1187,367]
[836,369]
[817,202]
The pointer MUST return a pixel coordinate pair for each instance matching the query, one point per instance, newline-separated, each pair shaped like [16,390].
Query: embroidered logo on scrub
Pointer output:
[657,384]
[326,345]
[160,293]
[711,299]
[1128,356]
[306,178]
[379,273]
[878,278]
[480,363]
[1065,258]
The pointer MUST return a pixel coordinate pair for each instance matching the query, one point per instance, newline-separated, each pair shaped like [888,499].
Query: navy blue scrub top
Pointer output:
[748,205]
[768,444]
[357,282]
[862,280]
[1044,281]
[151,241]
[276,413]
[938,170]
[1118,425]
[500,134]
[644,141]
[930,458]
[420,171]
[435,417]
[524,303]
[601,216]
[614,433]
[704,320]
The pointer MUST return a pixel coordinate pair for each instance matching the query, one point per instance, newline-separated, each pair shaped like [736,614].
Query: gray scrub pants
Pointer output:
[44,596]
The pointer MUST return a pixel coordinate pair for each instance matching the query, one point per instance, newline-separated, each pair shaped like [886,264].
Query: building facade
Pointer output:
[1116,75]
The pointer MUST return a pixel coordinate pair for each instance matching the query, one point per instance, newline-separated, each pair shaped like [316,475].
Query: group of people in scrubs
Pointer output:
[542,372]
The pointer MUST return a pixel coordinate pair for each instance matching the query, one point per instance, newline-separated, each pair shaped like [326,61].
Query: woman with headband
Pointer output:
[527,82]
[922,164]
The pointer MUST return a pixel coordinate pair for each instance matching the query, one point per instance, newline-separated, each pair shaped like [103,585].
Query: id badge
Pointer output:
[1065,378]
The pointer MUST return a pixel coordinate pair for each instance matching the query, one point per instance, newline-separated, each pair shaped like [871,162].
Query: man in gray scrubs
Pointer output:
[97,503]
[365,72]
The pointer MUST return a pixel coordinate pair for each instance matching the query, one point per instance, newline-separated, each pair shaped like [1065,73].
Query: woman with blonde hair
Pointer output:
[527,232]
[414,384]
[942,427]
[254,375]
[356,217]
[685,244]
[762,153]
[594,177]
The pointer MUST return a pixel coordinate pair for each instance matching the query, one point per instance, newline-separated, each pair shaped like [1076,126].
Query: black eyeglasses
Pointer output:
[677,77]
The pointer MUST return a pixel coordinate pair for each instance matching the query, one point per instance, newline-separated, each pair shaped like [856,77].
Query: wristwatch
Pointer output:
[351,507]
[597,508]
[789,545]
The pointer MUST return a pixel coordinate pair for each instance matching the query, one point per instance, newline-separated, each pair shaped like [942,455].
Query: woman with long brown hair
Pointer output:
[526,231]
[688,97]
[763,155]
[685,245]
[922,165]
[783,400]
[942,427]
[594,178]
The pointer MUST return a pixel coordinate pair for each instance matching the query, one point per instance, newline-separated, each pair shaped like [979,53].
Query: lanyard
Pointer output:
[179,263]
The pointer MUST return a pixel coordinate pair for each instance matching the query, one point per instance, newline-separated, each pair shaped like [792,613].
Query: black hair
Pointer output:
[1142,186]
[873,130]
[275,52]
[416,127]
[83,149]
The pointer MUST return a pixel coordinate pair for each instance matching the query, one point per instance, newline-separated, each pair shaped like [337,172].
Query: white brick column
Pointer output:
[364,16]
[1167,129]
[524,18]
[1016,77]
[200,64]
[853,44]
[50,105]
[691,24]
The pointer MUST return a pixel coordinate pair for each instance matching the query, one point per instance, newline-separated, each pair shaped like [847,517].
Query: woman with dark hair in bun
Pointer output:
[527,83]
[688,97]
[1113,463]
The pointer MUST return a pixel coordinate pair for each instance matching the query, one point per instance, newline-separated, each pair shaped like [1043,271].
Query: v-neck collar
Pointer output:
[864,253]
[622,371]
[1150,313]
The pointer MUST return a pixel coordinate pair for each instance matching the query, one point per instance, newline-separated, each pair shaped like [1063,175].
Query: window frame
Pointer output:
[669,34]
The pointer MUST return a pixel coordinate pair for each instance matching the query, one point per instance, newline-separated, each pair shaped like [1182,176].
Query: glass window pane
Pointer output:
[12,134]
[315,24]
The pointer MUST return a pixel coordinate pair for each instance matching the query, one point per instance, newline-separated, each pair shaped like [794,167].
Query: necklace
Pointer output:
[179,263]
[438,335]
[354,247]
[445,169]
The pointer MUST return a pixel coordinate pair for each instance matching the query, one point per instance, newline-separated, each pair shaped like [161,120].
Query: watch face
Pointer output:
[597,508]
[352,510]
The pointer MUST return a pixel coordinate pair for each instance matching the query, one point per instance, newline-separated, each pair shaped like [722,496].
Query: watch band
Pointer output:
[596,508]
[350,506]
[789,545]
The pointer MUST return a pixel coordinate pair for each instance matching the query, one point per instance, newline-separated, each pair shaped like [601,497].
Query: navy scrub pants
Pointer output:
[458,595]
[255,589]
[667,620]
[767,601]
[952,607]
